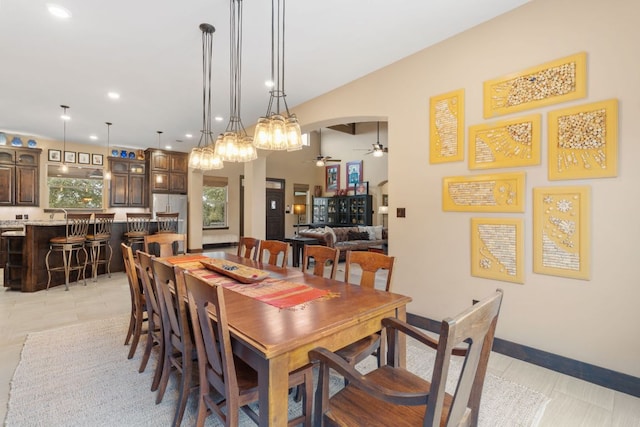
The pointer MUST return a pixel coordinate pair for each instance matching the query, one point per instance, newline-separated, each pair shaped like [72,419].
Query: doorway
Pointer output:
[274,215]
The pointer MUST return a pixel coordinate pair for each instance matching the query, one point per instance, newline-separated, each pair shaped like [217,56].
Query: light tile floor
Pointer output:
[573,402]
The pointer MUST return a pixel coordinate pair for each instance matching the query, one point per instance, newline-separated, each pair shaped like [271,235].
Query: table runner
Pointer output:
[276,292]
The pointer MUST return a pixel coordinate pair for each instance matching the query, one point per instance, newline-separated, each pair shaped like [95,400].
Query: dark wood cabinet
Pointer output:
[167,171]
[19,173]
[128,187]
[343,210]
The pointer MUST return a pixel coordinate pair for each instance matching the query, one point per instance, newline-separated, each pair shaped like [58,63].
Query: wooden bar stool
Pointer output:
[70,245]
[137,227]
[167,222]
[102,223]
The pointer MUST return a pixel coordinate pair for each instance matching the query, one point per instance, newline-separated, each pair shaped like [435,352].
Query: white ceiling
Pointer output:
[150,51]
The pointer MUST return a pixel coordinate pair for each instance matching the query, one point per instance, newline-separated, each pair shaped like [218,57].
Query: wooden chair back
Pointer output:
[322,256]
[370,263]
[154,315]
[138,305]
[276,250]
[179,349]
[168,222]
[389,393]
[249,247]
[166,243]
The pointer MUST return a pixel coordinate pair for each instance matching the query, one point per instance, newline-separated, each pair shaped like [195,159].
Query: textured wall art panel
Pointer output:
[446,131]
[583,141]
[508,143]
[556,81]
[501,192]
[497,249]
[561,231]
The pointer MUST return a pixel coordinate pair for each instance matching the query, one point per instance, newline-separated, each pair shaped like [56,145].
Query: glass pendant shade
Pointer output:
[278,130]
[203,156]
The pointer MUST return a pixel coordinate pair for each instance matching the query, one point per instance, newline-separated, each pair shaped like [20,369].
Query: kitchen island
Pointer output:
[36,245]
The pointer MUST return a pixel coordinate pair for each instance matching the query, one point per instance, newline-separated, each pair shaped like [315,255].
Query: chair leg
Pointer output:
[46,263]
[136,335]
[67,261]
[202,412]
[147,352]
[164,380]
[132,322]
[185,387]
[107,245]
[159,365]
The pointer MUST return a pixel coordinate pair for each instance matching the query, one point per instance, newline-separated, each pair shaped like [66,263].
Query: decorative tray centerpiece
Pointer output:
[239,272]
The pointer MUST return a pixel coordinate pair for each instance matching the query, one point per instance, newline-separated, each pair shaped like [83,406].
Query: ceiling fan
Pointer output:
[321,160]
[378,149]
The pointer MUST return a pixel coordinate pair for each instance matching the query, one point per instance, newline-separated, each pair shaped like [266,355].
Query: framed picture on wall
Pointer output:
[362,188]
[55,155]
[332,177]
[354,174]
[69,156]
[97,159]
[83,158]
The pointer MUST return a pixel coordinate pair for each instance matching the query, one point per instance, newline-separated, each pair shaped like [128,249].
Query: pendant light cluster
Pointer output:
[278,130]
[203,156]
[234,145]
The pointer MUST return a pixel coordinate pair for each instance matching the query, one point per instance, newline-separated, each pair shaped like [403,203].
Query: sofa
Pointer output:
[357,238]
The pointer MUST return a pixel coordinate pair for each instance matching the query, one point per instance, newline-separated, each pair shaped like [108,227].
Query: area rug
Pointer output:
[80,375]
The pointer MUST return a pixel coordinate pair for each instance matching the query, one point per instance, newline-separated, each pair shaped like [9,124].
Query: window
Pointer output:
[78,188]
[214,202]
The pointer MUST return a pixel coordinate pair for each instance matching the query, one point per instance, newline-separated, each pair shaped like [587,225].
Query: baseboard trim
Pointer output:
[594,374]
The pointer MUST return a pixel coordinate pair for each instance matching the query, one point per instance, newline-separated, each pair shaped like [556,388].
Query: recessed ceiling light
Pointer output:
[168,147]
[188,135]
[93,137]
[113,95]
[58,11]
[268,83]
[218,118]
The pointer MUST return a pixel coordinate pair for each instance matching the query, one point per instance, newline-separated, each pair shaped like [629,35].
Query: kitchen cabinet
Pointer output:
[19,172]
[168,171]
[128,187]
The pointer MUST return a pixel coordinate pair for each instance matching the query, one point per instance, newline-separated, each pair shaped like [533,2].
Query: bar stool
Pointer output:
[137,228]
[102,223]
[167,222]
[69,245]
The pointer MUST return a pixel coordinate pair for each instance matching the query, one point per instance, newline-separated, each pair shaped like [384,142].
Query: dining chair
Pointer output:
[322,256]
[391,395]
[274,248]
[154,316]
[179,352]
[249,247]
[221,372]
[138,303]
[69,246]
[370,264]
[165,242]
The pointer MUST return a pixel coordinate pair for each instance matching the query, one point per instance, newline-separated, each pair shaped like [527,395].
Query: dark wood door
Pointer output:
[6,184]
[275,214]
[119,189]
[137,190]
[27,186]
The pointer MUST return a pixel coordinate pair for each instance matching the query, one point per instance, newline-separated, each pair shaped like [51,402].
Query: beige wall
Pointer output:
[594,321]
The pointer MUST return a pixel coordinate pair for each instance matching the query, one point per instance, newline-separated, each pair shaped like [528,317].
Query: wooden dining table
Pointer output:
[276,341]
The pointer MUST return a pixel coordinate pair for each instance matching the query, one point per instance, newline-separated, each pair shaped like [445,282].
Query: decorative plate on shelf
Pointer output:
[114,153]
[123,154]
[16,142]
[239,272]
[3,138]
[132,155]
[32,143]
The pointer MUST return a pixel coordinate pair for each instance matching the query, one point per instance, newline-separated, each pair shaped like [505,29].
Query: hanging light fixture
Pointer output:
[235,145]
[378,151]
[202,157]
[278,130]
[159,175]
[107,174]
[65,117]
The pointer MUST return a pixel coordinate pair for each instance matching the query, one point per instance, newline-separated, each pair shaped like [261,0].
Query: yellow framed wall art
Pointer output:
[497,249]
[583,141]
[557,81]
[501,192]
[446,127]
[508,143]
[561,231]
